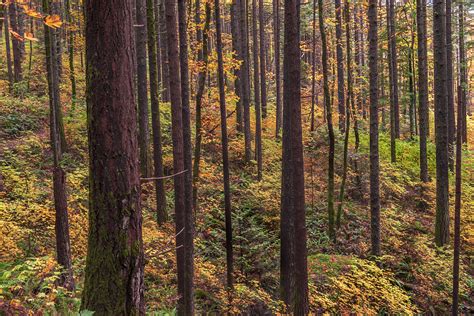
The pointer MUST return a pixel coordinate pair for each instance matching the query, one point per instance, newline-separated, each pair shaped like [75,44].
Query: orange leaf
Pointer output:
[30,37]
[32,12]
[16,35]
[53,21]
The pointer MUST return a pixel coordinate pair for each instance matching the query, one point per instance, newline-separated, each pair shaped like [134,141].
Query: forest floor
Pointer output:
[412,276]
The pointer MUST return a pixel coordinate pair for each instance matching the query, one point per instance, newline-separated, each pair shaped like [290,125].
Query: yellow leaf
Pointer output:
[32,12]
[53,21]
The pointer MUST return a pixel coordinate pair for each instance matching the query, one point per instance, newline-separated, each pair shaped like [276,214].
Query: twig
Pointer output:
[164,177]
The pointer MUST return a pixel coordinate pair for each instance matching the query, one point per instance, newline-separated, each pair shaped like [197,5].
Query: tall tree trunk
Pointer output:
[457,203]
[142,93]
[422,87]
[349,105]
[450,85]
[165,73]
[393,79]
[263,67]
[441,123]
[63,245]
[202,37]
[276,38]
[374,130]
[327,102]
[463,72]
[313,67]
[293,258]
[17,55]
[236,45]
[188,307]
[225,150]
[411,87]
[161,214]
[256,84]
[72,76]
[114,266]
[8,50]
[245,71]
[340,65]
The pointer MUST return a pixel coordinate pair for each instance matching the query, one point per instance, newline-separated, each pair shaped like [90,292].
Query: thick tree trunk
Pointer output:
[114,267]
[161,214]
[423,113]
[225,150]
[441,123]
[374,130]
[293,273]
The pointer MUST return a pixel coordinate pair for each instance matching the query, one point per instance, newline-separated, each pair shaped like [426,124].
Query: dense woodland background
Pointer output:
[236,157]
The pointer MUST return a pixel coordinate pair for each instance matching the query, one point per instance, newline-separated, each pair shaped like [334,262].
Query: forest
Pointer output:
[236,157]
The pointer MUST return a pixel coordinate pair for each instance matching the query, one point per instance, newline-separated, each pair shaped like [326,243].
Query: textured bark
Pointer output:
[17,55]
[349,104]
[256,84]
[236,45]
[294,273]
[245,72]
[276,31]
[450,85]
[263,54]
[340,66]
[63,246]
[441,123]
[165,74]
[161,214]
[114,267]
[142,93]
[188,308]
[374,130]
[327,102]
[202,38]
[225,150]
[8,49]
[423,113]
[393,79]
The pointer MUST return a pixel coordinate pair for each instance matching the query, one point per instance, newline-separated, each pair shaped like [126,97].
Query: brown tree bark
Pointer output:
[276,31]
[441,123]
[17,55]
[8,49]
[256,84]
[263,54]
[340,66]
[374,130]
[245,72]
[225,150]
[450,85]
[114,267]
[236,46]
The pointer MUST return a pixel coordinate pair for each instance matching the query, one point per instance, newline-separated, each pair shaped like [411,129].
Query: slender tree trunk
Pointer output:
[327,102]
[263,67]
[411,87]
[422,87]
[202,37]
[313,67]
[463,72]
[441,123]
[450,85]
[165,75]
[17,55]
[72,76]
[245,71]
[142,93]
[349,104]
[161,214]
[114,266]
[63,246]
[225,150]
[393,79]
[374,130]
[236,46]
[276,32]
[8,50]
[256,84]
[340,66]
[188,307]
